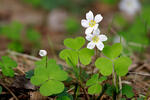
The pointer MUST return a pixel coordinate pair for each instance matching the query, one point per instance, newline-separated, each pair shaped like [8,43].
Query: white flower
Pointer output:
[131,7]
[43,53]
[96,39]
[90,22]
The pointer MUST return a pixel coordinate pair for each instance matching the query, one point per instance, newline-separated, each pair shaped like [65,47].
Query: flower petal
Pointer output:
[96,26]
[90,45]
[96,32]
[89,16]
[89,30]
[98,18]
[89,37]
[102,37]
[85,23]
[100,45]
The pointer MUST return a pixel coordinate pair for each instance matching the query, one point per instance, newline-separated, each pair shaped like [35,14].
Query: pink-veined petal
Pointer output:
[89,16]
[98,18]
[89,37]
[85,23]
[96,26]
[89,30]
[90,45]
[96,32]
[100,45]
[102,37]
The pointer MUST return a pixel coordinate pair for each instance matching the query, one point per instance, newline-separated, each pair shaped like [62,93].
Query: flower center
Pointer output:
[92,23]
[95,39]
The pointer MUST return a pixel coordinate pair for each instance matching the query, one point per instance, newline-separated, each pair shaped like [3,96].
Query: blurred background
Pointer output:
[27,26]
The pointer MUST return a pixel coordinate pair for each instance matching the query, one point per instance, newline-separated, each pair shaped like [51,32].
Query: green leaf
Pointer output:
[75,44]
[93,80]
[104,65]
[112,51]
[7,65]
[63,98]
[1,89]
[51,87]
[16,46]
[29,74]
[95,89]
[110,89]
[127,91]
[69,55]
[85,56]
[33,35]
[103,78]
[121,65]
[13,30]
[48,77]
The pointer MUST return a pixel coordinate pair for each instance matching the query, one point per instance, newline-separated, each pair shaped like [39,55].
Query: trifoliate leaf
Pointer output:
[95,89]
[127,91]
[121,65]
[51,87]
[110,89]
[75,44]
[70,56]
[104,65]
[7,65]
[112,51]
[93,80]
[85,56]
[49,77]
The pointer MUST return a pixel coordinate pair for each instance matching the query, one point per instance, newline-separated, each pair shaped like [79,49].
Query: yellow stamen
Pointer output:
[95,39]
[92,23]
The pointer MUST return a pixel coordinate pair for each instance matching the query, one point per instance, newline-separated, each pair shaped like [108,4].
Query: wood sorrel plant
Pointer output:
[49,76]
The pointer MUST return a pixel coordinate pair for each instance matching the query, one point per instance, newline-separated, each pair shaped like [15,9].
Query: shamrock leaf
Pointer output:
[104,65]
[112,51]
[127,91]
[49,78]
[75,44]
[7,65]
[69,55]
[94,84]
[121,65]
[85,55]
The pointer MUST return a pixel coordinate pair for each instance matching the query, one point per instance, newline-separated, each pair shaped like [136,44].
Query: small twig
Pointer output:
[142,74]
[9,91]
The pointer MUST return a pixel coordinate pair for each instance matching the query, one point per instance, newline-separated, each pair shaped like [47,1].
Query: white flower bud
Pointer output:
[43,53]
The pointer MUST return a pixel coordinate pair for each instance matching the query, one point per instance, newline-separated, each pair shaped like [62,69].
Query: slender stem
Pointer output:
[46,61]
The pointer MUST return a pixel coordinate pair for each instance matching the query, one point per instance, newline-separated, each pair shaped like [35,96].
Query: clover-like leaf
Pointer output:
[85,55]
[93,80]
[49,77]
[104,65]
[94,85]
[51,87]
[127,91]
[69,55]
[95,89]
[103,78]
[7,65]
[75,44]
[121,65]
[112,51]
